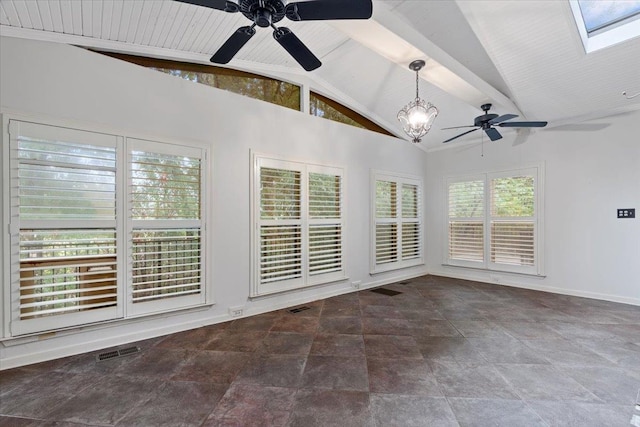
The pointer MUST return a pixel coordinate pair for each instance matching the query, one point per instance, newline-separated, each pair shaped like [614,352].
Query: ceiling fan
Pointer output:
[266,13]
[487,121]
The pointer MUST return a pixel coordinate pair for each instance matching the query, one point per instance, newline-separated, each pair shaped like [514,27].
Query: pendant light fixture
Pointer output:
[417,116]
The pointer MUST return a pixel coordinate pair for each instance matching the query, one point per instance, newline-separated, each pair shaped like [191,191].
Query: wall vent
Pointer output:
[108,355]
[384,291]
[298,309]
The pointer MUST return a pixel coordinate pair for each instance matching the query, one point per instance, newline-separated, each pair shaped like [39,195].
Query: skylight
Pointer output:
[603,23]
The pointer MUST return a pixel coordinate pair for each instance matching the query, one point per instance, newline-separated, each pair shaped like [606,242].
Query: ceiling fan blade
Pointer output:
[225,5]
[233,44]
[502,118]
[459,127]
[458,136]
[318,10]
[523,124]
[493,134]
[292,44]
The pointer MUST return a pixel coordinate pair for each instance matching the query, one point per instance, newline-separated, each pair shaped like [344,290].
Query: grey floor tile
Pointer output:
[544,382]
[565,352]
[385,326]
[247,405]
[351,325]
[471,412]
[450,349]
[336,373]
[324,408]
[106,401]
[176,404]
[391,346]
[155,363]
[406,376]
[433,328]
[338,345]
[624,354]
[506,350]
[273,370]
[530,330]
[7,421]
[212,367]
[407,411]
[611,385]
[479,329]
[195,339]
[481,381]
[296,323]
[286,343]
[243,341]
[579,414]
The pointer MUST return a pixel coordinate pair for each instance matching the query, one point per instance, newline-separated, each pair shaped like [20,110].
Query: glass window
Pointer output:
[321,106]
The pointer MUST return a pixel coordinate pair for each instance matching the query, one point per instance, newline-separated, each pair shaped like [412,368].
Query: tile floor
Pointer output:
[444,352]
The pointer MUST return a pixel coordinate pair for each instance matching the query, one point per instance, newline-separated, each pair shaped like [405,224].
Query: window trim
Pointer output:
[307,280]
[487,265]
[399,179]
[9,241]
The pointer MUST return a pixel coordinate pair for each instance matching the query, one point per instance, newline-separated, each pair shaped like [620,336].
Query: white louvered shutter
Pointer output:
[466,221]
[325,225]
[386,214]
[63,192]
[280,228]
[410,222]
[513,221]
[167,241]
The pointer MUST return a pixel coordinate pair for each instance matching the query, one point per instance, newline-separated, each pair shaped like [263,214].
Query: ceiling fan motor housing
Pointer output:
[263,13]
[483,121]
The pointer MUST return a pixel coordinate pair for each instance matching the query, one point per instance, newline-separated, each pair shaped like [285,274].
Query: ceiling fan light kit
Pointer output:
[267,13]
[418,115]
[487,121]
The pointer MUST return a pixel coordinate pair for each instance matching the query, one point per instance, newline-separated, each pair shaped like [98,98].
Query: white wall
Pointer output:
[71,85]
[589,174]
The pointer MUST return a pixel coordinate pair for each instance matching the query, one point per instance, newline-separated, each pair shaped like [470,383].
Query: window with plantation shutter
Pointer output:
[102,227]
[165,216]
[63,193]
[494,221]
[397,222]
[466,221]
[298,239]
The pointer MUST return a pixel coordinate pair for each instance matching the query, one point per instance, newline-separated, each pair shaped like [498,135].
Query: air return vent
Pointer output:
[108,355]
[298,309]
[385,291]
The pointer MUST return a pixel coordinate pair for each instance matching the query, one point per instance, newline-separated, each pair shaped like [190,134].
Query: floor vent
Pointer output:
[406,282]
[384,291]
[299,309]
[108,355]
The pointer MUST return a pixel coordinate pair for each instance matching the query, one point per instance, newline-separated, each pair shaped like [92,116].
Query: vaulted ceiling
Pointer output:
[525,57]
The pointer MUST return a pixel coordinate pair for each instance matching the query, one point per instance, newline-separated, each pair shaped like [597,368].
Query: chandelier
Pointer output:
[417,116]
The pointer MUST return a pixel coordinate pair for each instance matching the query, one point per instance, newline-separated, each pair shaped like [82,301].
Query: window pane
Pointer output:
[466,199]
[280,253]
[466,240]
[258,87]
[164,186]
[66,271]
[512,197]
[409,201]
[512,243]
[598,13]
[279,194]
[324,196]
[59,180]
[321,108]
[410,240]
[166,263]
[386,197]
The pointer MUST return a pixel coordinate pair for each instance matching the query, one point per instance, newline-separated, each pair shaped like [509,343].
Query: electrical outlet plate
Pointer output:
[356,284]
[236,311]
[627,213]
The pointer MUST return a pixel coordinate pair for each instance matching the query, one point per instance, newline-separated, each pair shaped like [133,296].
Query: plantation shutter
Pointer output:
[386,222]
[410,222]
[513,220]
[167,244]
[280,227]
[63,209]
[298,238]
[397,216]
[466,221]
[325,224]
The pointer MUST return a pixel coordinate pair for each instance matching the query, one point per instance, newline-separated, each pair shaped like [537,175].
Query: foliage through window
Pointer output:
[398,222]
[299,225]
[67,239]
[493,221]
[321,106]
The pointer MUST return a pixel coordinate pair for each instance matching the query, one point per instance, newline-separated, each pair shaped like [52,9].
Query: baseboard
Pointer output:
[534,287]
